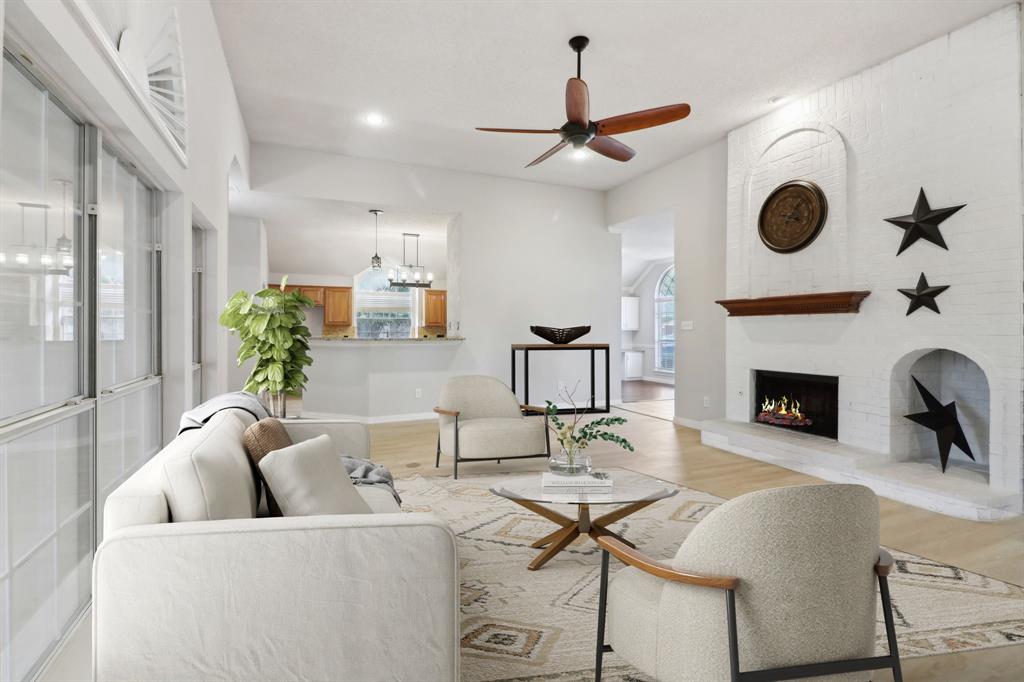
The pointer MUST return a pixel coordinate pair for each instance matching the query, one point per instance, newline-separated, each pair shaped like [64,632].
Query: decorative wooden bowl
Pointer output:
[560,335]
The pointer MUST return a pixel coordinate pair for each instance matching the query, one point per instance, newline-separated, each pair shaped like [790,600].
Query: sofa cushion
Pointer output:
[308,479]
[495,437]
[260,440]
[206,472]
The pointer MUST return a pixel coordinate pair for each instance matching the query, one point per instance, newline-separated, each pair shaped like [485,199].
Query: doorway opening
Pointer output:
[648,315]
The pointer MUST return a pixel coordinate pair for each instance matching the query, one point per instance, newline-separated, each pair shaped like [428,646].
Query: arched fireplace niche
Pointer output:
[949,376]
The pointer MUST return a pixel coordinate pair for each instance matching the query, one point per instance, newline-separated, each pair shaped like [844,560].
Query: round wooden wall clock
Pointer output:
[792,216]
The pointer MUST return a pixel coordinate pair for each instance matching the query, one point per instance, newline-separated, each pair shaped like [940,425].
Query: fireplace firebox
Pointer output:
[807,403]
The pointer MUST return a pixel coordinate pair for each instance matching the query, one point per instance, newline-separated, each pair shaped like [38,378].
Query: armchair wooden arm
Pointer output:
[884,564]
[447,413]
[533,409]
[637,559]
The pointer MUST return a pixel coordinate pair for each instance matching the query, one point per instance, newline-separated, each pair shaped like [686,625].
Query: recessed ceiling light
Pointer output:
[579,154]
[374,119]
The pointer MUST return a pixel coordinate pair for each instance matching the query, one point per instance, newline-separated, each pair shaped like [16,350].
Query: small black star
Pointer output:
[923,295]
[943,420]
[923,222]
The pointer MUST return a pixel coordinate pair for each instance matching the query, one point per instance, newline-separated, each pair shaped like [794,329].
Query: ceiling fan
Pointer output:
[580,131]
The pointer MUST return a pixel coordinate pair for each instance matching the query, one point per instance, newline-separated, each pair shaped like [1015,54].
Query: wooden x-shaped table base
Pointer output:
[570,529]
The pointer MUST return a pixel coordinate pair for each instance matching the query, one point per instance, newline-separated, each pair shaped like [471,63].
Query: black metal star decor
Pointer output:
[923,223]
[923,295]
[943,420]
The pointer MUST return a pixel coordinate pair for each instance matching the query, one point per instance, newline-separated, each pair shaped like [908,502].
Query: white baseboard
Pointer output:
[688,423]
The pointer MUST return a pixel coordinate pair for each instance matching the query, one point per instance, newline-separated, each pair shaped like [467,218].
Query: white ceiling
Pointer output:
[324,237]
[305,72]
[645,240]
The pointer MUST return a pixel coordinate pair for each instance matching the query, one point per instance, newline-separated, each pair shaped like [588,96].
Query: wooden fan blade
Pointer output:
[638,120]
[577,102]
[518,130]
[548,153]
[612,148]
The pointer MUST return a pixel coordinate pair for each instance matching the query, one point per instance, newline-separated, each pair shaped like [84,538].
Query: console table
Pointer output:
[591,407]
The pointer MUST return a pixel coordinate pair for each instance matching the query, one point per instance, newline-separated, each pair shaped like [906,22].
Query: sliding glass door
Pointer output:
[80,384]
[46,443]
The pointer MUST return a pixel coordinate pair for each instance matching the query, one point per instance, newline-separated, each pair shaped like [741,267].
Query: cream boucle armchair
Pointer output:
[480,419]
[778,583]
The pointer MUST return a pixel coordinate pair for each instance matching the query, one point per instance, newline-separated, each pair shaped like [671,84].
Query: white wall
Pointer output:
[247,271]
[945,116]
[692,189]
[528,253]
[68,54]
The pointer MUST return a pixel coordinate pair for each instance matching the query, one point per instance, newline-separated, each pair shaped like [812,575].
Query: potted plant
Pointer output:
[575,436]
[271,325]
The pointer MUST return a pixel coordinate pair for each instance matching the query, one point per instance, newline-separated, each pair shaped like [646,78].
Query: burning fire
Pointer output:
[782,406]
[784,411]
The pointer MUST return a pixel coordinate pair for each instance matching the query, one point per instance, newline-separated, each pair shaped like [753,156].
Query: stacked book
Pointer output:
[591,483]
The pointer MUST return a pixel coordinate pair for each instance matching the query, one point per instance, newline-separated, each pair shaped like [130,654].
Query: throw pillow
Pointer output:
[260,440]
[308,478]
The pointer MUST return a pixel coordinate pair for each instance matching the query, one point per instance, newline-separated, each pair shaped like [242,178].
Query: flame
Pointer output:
[782,406]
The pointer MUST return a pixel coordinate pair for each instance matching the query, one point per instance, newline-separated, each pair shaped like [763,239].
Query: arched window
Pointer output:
[665,322]
[383,312]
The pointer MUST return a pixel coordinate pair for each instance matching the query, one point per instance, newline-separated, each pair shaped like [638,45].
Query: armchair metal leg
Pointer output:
[793,672]
[890,629]
[602,608]
[437,458]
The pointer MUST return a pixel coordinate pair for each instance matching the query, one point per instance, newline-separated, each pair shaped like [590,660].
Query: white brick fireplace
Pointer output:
[945,116]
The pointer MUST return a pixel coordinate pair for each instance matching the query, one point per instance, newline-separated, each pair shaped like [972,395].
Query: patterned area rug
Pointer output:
[541,625]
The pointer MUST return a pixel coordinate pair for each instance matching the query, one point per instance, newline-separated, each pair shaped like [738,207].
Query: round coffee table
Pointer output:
[527,492]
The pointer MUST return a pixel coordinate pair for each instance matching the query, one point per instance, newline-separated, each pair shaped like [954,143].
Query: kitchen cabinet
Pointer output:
[632,364]
[630,313]
[435,308]
[337,306]
[315,294]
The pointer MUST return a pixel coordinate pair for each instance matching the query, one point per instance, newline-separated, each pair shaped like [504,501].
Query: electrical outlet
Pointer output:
[707,401]
[419,392]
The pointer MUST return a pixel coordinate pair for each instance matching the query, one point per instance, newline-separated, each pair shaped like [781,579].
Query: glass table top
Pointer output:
[529,488]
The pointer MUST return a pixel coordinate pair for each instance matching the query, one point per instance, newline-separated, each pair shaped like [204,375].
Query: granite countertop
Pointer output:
[352,341]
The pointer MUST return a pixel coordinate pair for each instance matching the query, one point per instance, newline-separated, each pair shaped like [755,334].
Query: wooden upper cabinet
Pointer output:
[337,306]
[435,308]
[316,294]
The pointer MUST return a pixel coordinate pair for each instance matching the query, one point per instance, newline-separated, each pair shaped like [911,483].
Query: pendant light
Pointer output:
[375,260]
[410,275]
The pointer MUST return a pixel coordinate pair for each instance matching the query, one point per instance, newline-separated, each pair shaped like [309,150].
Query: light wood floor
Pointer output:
[674,453]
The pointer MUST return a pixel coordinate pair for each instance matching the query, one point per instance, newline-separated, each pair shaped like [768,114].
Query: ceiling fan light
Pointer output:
[579,154]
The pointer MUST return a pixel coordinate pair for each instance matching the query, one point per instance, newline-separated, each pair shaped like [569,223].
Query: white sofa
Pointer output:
[190,583]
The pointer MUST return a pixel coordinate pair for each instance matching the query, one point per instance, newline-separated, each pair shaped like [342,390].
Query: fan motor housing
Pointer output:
[576,135]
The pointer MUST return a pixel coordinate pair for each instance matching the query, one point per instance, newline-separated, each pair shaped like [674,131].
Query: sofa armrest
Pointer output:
[349,438]
[316,598]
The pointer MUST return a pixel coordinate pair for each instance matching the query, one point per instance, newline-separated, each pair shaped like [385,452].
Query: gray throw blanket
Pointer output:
[239,400]
[365,472]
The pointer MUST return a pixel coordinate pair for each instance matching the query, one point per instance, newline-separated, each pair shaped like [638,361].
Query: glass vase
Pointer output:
[276,404]
[570,463]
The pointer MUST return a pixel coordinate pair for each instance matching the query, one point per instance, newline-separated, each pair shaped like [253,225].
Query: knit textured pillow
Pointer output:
[260,440]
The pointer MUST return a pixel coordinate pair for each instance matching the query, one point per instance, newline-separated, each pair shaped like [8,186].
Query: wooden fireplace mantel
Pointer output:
[799,304]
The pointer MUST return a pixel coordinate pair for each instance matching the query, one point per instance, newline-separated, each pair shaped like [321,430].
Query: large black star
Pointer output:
[923,295]
[923,223]
[943,420]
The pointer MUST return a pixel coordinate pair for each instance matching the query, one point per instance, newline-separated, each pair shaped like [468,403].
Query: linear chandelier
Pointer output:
[409,275]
